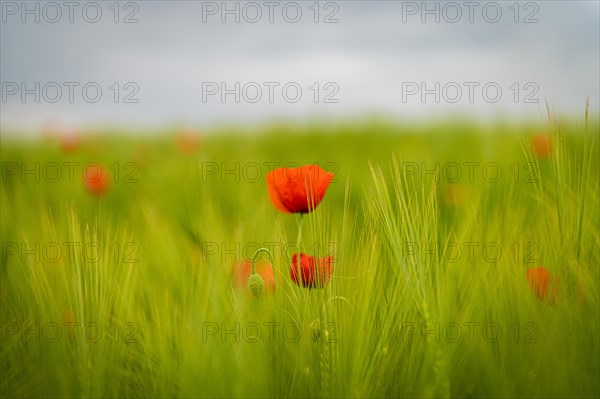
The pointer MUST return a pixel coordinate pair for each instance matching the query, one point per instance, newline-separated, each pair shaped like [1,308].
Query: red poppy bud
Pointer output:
[313,272]
[256,285]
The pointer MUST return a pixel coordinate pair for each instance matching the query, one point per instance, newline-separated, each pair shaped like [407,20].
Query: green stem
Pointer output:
[298,265]
[258,251]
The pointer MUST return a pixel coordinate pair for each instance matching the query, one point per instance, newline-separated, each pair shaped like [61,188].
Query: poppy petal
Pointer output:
[298,190]
[273,184]
[313,272]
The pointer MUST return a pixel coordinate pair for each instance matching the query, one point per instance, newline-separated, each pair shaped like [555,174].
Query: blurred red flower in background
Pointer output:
[313,272]
[541,145]
[187,141]
[241,273]
[70,140]
[539,279]
[68,316]
[298,190]
[96,179]
[454,194]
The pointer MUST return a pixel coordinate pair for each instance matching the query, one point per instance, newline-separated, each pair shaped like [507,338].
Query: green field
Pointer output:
[432,229]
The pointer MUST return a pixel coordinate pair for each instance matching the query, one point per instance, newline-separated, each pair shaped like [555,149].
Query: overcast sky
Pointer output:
[373,57]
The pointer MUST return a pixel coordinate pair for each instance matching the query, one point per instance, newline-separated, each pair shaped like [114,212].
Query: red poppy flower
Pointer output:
[70,140]
[69,318]
[96,179]
[454,194]
[539,279]
[242,271]
[187,141]
[298,190]
[541,145]
[313,272]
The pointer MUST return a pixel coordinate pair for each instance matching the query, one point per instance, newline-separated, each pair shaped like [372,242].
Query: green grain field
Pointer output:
[432,228]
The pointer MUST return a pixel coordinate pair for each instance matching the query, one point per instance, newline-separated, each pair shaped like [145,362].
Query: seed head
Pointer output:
[256,285]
